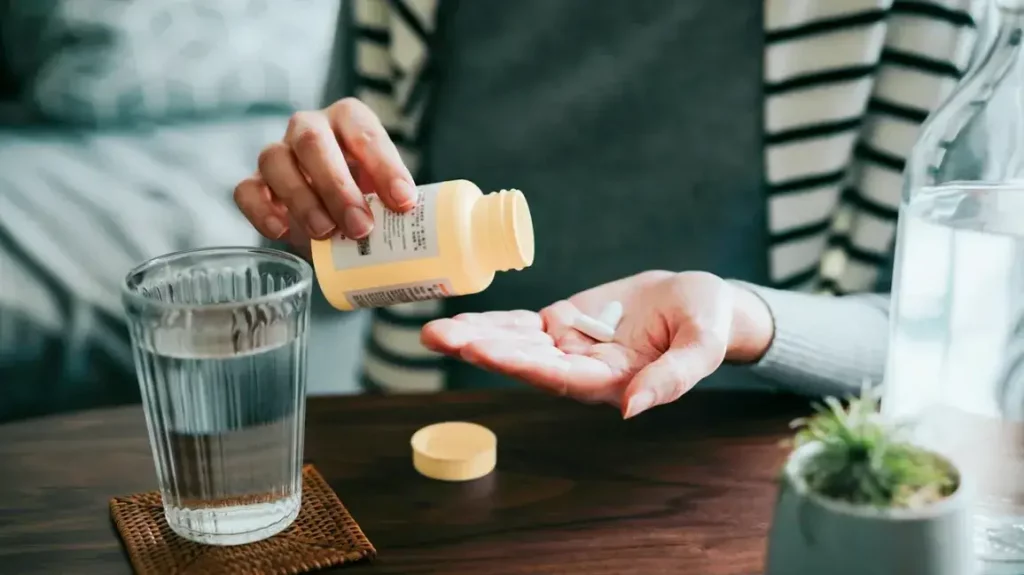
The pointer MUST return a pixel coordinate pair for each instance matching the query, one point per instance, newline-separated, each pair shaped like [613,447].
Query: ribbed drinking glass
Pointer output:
[219,338]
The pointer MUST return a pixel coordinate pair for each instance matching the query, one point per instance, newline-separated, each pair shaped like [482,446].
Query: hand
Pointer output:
[676,329]
[312,182]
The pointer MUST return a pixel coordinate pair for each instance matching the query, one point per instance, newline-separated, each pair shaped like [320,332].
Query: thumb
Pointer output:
[694,354]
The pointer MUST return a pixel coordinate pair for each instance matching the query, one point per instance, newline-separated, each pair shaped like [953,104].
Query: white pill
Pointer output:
[598,330]
[611,315]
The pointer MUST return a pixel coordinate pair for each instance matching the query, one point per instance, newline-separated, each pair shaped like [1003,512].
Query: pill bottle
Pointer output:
[450,244]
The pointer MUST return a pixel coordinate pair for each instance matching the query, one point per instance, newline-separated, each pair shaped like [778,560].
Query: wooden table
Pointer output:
[684,489]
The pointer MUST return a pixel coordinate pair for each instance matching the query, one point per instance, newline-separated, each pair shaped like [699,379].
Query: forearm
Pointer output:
[824,345]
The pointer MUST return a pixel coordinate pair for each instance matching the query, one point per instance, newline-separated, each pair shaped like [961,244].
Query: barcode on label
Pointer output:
[399,294]
[363,246]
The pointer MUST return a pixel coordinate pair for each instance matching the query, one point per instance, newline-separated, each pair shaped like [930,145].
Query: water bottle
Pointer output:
[955,369]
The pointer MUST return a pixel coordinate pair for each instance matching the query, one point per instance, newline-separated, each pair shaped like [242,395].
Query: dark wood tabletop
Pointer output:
[687,488]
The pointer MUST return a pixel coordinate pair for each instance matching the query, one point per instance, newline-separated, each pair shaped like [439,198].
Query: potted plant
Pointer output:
[857,498]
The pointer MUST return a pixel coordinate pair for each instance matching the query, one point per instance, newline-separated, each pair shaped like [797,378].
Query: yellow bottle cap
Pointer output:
[454,451]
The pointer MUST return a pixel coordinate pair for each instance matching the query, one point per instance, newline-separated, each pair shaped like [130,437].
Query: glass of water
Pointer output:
[219,338]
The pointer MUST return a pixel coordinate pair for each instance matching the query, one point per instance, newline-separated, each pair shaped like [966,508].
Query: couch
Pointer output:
[124,126]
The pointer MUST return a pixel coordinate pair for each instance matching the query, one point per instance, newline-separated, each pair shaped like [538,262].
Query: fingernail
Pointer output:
[403,194]
[358,222]
[276,226]
[639,403]
[319,223]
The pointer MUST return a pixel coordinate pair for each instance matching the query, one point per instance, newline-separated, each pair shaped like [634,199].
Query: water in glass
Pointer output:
[957,351]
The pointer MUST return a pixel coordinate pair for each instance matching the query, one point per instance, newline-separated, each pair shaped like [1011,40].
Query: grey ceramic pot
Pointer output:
[811,535]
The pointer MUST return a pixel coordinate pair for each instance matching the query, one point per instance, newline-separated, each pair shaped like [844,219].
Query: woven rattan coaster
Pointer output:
[323,535]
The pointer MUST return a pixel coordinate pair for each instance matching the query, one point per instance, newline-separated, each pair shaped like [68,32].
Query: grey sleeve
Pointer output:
[825,345]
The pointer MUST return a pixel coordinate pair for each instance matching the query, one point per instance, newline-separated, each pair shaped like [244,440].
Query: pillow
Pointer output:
[118,61]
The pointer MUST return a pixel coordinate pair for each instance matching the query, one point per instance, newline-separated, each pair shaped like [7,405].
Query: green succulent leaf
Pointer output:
[865,461]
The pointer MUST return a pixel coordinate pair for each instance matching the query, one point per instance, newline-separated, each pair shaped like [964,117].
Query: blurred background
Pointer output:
[124,127]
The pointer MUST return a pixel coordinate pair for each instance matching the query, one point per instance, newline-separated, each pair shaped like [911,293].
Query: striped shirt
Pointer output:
[847,85]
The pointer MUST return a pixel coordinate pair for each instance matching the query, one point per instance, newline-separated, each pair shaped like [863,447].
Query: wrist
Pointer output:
[753,327]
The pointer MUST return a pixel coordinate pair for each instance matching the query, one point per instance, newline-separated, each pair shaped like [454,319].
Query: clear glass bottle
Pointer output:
[956,362]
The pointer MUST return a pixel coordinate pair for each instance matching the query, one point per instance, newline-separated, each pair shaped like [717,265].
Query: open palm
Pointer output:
[674,331]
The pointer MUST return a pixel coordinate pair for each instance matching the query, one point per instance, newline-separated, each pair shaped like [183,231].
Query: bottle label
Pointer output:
[395,237]
[403,293]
